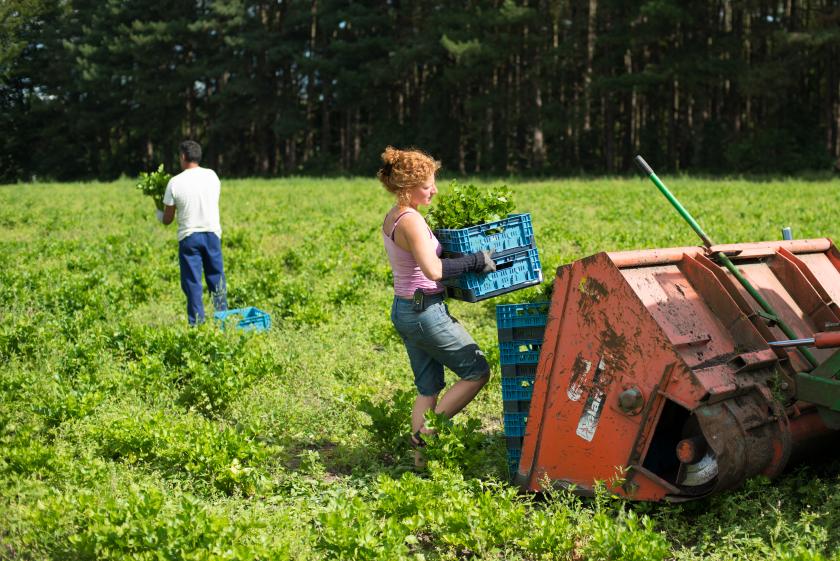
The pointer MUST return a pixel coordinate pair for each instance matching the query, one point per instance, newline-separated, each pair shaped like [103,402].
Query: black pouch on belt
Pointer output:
[418,301]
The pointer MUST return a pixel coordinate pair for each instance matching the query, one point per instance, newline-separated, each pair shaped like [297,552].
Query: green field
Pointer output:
[124,434]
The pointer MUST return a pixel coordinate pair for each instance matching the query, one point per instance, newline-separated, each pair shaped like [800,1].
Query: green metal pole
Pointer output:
[673,200]
[643,165]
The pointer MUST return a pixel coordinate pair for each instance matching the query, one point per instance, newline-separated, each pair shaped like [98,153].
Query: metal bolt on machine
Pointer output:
[689,369]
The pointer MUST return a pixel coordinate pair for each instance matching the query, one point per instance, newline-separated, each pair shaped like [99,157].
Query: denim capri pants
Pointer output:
[434,339]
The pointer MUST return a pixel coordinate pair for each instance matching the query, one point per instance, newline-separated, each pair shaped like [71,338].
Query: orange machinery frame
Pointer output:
[651,354]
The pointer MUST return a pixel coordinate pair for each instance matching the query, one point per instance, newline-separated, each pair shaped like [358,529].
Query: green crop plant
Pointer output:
[468,205]
[141,522]
[390,421]
[216,456]
[623,534]
[153,184]
[459,444]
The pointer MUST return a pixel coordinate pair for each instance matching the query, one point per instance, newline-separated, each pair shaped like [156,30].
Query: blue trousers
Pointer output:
[202,250]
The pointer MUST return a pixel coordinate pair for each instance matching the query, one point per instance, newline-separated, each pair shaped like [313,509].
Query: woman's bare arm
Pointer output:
[413,232]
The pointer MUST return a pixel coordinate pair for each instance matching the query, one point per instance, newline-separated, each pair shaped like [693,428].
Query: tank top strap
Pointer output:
[397,221]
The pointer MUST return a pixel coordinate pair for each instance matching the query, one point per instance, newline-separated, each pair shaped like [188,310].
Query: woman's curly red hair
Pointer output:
[403,169]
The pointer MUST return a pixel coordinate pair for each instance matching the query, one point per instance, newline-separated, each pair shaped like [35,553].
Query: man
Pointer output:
[194,194]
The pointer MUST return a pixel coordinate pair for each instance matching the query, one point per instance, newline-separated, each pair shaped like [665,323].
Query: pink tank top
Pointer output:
[407,274]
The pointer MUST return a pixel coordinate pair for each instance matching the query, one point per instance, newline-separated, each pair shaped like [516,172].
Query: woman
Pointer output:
[432,337]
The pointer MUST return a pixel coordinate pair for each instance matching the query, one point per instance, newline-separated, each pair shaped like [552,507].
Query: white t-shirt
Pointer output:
[195,195]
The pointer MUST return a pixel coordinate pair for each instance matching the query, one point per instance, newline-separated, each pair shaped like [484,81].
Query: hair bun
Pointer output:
[390,155]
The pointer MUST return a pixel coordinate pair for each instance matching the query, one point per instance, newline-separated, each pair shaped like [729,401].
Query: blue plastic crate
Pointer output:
[516,405]
[520,352]
[529,314]
[247,319]
[513,370]
[513,457]
[536,332]
[517,388]
[521,321]
[522,315]
[513,272]
[515,423]
[502,236]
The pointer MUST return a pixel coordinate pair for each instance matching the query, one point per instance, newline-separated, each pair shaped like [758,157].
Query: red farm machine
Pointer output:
[681,369]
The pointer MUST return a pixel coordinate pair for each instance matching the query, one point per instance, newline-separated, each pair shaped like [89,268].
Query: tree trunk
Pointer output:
[591,37]
[357,136]
[609,134]
[150,153]
[311,95]
[673,118]
[629,145]
[539,151]
[833,106]
[325,121]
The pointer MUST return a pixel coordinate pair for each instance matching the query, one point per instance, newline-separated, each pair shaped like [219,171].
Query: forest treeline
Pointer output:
[95,88]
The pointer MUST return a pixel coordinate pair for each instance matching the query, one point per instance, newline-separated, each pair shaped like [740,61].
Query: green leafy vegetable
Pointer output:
[467,205]
[154,184]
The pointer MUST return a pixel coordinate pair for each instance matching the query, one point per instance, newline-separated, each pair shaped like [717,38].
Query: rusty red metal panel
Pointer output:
[797,280]
[809,275]
[576,431]
[720,303]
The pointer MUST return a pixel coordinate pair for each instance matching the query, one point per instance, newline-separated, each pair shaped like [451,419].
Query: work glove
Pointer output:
[486,262]
[159,215]
[478,262]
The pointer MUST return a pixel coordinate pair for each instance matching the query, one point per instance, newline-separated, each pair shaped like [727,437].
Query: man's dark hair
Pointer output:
[191,151]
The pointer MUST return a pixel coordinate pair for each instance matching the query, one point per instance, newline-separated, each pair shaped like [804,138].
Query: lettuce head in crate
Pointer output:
[154,184]
[467,205]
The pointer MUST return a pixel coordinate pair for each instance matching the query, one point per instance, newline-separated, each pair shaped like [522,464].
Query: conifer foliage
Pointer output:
[96,90]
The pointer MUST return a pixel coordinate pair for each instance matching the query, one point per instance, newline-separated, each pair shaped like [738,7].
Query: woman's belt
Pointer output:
[420,301]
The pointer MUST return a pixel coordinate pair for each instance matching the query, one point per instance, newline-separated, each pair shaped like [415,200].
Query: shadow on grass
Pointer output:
[486,459]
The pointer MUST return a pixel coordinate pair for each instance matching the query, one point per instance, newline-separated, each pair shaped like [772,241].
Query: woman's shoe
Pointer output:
[417,440]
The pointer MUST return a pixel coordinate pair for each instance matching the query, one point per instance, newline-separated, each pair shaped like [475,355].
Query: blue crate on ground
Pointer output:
[517,388]
[247,319]
[520,352]
[513,457]
[501,236]
[521,321]
[515,423]
[514,271]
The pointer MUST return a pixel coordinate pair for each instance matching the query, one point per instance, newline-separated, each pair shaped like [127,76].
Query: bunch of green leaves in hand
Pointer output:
[154,184]
[467,205]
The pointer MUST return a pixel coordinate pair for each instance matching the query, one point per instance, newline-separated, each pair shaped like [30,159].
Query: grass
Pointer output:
[124,434]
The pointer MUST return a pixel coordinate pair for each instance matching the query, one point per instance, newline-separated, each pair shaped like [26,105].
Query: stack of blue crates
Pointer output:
[512,242]
[521,330]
